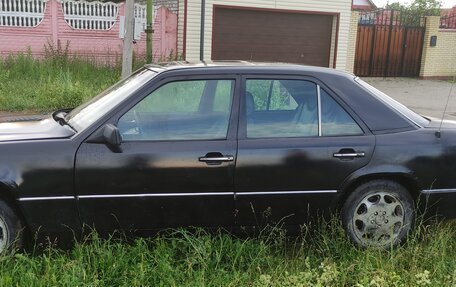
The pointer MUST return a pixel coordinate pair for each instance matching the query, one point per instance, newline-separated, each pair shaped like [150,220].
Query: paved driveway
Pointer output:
[426,97]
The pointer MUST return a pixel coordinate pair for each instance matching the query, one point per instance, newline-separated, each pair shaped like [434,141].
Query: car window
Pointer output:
[411,115]
[335,121]
[281,108]
[270,95]
[181,110]
[89,112]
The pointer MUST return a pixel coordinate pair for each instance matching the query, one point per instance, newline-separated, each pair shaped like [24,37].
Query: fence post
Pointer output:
[390,31]
[149,30]
[429,54]
[353,35]
[54,21]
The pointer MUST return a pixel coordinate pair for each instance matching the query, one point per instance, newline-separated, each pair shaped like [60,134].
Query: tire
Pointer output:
[11,229]
[379,214]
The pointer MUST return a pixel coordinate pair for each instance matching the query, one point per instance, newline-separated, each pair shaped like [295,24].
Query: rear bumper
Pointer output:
[440,202]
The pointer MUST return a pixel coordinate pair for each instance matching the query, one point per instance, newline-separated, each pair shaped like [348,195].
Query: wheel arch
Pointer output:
[6,194]
[406,179]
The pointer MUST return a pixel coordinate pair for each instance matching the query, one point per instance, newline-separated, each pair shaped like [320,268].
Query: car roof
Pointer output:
[244,66]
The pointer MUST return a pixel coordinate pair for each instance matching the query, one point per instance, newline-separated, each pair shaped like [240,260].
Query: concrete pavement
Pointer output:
[426,97]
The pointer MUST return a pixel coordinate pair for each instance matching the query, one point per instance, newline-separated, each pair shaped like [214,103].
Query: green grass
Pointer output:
[322,256]
[50,83]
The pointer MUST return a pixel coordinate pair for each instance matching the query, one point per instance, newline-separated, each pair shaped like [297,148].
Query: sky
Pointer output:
[382,3]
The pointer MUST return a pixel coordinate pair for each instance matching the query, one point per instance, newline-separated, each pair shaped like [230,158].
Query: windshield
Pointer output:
[83,116]
[409,114]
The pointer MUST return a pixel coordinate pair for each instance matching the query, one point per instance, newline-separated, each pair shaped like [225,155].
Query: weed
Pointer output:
[56,81]
[321,256]
[200,258]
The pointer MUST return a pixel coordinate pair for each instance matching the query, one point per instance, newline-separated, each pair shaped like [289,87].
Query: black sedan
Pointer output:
[232,145]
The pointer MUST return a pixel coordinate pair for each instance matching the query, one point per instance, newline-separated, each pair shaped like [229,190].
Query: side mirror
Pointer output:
[111,135]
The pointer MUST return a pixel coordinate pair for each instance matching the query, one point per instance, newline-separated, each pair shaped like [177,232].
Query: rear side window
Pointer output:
[335,121]
[270,95]
[281,108]
[294,108]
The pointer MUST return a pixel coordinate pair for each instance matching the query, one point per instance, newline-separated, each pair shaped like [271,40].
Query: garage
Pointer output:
[268,35]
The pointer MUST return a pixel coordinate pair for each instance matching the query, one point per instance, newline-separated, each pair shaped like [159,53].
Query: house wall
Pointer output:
[438,61]
[363,5]
[192,39]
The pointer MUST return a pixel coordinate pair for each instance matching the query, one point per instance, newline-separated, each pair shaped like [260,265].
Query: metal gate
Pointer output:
[389,44]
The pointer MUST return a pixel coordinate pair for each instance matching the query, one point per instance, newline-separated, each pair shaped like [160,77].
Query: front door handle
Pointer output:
[215,158]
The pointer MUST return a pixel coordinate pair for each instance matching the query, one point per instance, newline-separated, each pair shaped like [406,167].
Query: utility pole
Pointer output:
[203,16]
[149,30]
[127,55]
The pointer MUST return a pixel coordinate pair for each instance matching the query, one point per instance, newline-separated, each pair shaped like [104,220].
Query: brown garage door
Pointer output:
[259,35]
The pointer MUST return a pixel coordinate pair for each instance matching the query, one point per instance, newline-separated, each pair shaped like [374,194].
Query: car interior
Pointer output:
[191,110]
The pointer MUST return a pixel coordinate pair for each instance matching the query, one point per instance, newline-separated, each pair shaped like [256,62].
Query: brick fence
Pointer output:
[104,46]
[438,61]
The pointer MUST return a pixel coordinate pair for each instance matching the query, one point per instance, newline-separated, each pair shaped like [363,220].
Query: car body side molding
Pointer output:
[174,194]
[434,191]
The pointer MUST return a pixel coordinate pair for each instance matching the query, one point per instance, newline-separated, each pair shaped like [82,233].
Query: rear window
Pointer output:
[406,112]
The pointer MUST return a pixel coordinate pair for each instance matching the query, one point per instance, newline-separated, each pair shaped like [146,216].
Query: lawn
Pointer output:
[320,256]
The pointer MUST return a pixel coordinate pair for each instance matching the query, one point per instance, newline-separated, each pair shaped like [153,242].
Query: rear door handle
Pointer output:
[353,154]
[215,158]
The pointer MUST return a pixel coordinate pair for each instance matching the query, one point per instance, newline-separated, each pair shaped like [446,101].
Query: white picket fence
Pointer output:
[22,13]
[140,11]
[140,18]
[97,15]
[79,15]
[90,15]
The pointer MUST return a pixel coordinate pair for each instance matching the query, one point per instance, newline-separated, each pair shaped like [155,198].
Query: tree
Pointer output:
[426,7]
[396,6]
[418,7]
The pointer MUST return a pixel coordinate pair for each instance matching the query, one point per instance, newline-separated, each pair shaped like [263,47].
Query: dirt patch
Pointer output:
[10,114]
[7,116]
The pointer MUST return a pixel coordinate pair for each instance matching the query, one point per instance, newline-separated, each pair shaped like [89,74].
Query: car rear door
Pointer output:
[175,165]
[297,144]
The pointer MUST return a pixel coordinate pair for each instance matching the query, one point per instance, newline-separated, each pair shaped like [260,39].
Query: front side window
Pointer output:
[181,110]
[294,108]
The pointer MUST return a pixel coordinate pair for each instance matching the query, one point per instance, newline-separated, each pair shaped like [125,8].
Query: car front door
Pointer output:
[297,144]
[175,164]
